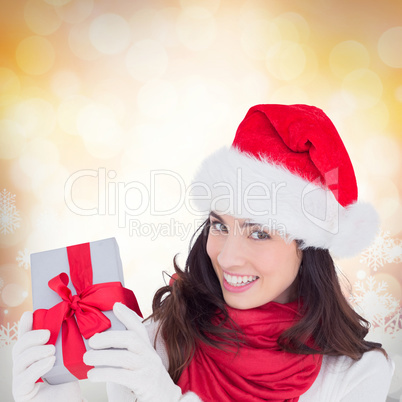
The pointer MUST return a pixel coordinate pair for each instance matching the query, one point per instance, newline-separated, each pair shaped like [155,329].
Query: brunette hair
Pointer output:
[185,308]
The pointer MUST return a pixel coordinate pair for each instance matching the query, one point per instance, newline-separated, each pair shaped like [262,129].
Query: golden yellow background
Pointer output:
[118,89]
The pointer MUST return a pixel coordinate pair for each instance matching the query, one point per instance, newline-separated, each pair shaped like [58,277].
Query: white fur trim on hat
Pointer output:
[238,184]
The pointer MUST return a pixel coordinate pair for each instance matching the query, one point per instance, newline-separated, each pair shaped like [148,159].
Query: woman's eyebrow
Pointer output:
[244,224]
[216,216]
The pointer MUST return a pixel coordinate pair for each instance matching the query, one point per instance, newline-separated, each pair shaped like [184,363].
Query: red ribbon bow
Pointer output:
[80,315]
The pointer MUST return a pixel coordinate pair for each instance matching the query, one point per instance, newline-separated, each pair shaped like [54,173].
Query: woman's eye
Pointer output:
[260,235]
[218,227]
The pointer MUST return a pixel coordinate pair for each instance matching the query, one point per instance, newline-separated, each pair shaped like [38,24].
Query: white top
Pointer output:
[341,379]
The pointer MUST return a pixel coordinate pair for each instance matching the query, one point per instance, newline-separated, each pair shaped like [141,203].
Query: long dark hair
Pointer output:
[185,310]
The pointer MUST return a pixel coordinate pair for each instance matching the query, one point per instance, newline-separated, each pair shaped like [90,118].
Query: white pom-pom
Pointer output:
[358,226]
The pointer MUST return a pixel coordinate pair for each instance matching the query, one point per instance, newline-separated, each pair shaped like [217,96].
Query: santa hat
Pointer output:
[288,169]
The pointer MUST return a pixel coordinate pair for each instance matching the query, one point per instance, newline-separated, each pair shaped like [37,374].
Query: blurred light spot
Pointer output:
[339,108]
[157,99]
[13,295]
[372,120]
[41,17]
[141,23]
[68,111]
[75,11]
[141,151]
[361,274]
[293,27]
[48,183]
[146,60]
[57,3]
[39,160]
[65,83]
[348,56]
[398,93]
[255,87]
[18,177]
[113,102]
[12,139]
[309,74]
[35,55]
[196,93]
[286,29]
[35,116]
[110,33]
[30,90]
[9,86]
[196,28]
[80,43]
[289,94]
[211,5]
[258,37]
[37,156]
[387,200]
[163,26]
[102,135]
[393,223]
[381,155]
[388,206]
[286,60]
[250,14]
[389,47]
[365,86]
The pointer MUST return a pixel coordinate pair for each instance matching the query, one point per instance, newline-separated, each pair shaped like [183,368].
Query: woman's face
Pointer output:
[253,265]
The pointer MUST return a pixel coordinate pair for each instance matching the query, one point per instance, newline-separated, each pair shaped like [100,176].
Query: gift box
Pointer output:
[74,290]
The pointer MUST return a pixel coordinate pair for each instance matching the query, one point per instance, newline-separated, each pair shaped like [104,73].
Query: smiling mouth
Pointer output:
[239,280]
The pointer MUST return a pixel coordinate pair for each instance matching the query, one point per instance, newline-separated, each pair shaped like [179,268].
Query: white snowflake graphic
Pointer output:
[23,259]
[9,215]
[378,306]
[8,334]
[395,251]
[384,250]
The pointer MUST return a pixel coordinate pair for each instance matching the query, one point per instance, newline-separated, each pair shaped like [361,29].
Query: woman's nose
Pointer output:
[232,252]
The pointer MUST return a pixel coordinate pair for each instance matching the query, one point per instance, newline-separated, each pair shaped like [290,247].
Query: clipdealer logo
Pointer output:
[129,200]
[112,196]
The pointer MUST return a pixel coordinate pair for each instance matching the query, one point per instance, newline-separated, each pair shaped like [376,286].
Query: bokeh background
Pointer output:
[108,107]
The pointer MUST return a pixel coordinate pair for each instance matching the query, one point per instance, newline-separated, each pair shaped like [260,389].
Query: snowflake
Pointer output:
[8,334]
[383,250]
[376,304]
[23,259]
[395,252]
[9,216]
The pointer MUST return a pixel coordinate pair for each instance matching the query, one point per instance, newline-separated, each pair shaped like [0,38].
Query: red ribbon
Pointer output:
[80,315]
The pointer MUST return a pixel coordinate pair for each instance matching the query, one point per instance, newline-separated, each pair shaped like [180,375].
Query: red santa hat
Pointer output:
[288,169]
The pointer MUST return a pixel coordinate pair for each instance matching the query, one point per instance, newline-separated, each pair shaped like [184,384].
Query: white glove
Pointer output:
[132,362]
[32,359]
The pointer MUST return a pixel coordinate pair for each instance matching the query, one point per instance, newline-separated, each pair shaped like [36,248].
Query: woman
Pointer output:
[258,313]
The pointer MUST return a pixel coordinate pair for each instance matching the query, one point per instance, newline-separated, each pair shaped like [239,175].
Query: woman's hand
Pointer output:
[131,360]
[32,359]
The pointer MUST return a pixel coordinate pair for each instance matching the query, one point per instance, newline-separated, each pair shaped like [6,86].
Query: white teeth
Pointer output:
[235,280]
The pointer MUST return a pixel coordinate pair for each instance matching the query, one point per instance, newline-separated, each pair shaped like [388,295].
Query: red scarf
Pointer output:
[258,371]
